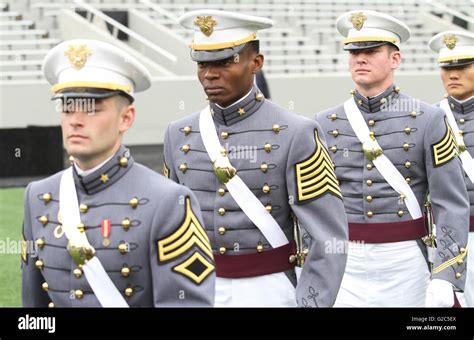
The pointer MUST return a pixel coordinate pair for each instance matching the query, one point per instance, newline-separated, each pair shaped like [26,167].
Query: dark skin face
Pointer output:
[226,81]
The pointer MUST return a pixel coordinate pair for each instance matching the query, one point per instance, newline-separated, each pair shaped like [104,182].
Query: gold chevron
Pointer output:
[189,234]
[315,176]
[446,149]
[166,171]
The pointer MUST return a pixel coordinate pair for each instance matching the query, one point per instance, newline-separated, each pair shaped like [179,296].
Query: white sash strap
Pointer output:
[382,163]
[239,191]
[466,158]
[96,276]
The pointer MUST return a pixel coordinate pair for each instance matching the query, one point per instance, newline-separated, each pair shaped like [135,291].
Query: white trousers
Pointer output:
[273,290]
[384,275]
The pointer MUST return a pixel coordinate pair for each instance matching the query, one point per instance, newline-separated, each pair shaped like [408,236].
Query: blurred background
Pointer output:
[305,71]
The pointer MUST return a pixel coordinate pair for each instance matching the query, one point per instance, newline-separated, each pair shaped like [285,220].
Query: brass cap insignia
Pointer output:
[357,19]
[450,41]
[206,24]
[77,55]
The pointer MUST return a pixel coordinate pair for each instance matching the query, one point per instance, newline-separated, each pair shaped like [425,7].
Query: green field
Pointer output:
[11,216]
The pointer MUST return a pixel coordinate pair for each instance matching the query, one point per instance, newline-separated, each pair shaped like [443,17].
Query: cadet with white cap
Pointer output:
[455,48]
[253,165]
[390,150]
[456,62]
[109,71]
[370,29]
[108,231]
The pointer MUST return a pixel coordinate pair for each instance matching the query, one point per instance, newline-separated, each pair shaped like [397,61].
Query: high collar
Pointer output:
[462,107]
[375,104]
[239,110]
[84,173]
[106,175]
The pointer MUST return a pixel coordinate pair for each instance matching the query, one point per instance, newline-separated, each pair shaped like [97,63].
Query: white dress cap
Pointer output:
[220,34]
[94,67]
[364,29]
[454,48]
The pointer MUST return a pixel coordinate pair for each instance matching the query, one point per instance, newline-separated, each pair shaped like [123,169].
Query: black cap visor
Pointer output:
[456,63]
[216,55]
[89,93]
[365,45]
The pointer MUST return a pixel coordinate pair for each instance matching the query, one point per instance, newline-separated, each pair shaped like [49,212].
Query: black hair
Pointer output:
[254,45]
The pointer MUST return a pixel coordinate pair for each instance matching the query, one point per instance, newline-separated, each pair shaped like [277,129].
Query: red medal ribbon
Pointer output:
[106,228]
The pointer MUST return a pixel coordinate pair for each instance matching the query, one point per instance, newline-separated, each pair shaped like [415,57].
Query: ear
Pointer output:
[395,59]
[127,118]
[257,63]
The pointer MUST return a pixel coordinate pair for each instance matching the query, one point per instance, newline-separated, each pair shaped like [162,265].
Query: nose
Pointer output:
[211,72]
[453,75]
[76,119]
[360,58]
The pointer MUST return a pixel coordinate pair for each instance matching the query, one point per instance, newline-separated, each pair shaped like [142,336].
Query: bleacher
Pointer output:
[305,66]
[466,7]
[22,46]
[303,40]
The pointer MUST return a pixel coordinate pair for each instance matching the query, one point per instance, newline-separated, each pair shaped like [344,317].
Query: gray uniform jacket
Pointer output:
[146,254]
[464,115]
[281,157]
[415,137]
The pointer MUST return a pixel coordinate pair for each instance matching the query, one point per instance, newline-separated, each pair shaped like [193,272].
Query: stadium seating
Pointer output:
[303,40]
[22,46]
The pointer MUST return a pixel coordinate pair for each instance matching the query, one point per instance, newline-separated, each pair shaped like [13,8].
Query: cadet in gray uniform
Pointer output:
[456,62]
[281,159]
[139,241]
[389,149]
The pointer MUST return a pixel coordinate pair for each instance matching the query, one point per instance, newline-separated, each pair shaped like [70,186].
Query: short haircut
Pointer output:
[254,45]
[121,102]
[392,48]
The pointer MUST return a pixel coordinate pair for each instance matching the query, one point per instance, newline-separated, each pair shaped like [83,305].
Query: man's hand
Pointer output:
[439,294]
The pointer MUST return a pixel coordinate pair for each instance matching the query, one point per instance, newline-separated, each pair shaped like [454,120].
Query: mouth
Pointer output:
[77,137]
[361,70]
[213,90]
[454,85]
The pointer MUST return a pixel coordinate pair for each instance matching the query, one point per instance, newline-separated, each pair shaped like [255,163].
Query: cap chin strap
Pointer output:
[220,46]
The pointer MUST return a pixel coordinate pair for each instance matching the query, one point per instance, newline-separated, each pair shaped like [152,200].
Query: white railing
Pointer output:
[160,10]
[450,12]
[118,27]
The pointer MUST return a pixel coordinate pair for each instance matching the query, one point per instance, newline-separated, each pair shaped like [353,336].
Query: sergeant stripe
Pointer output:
[190,233]
[446,149]
[315,176]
